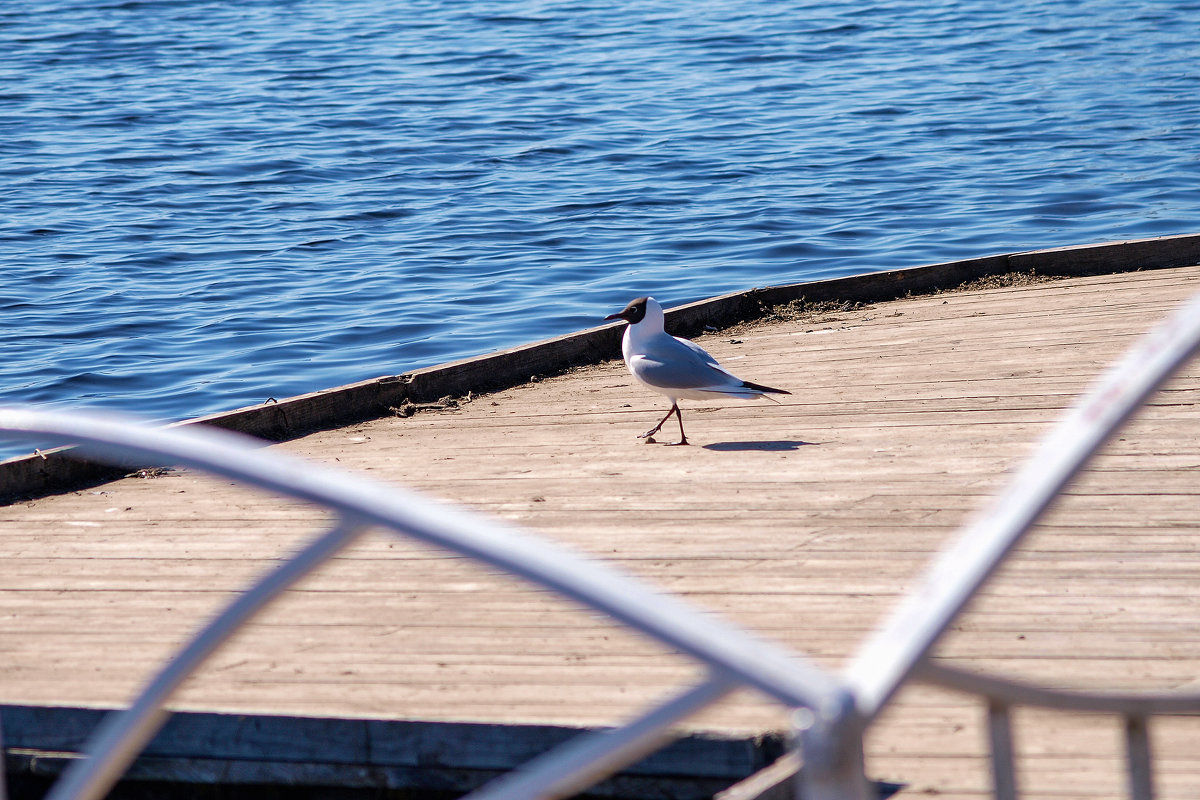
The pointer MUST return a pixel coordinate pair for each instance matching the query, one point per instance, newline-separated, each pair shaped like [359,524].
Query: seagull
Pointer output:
[676,367]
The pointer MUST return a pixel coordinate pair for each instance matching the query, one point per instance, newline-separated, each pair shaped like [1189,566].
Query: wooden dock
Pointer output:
[803,521]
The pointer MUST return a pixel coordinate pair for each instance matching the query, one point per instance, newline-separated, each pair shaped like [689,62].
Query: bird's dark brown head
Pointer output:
[633,313]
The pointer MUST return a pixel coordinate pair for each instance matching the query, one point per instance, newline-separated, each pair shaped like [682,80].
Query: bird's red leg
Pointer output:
[656,428]
[679,416]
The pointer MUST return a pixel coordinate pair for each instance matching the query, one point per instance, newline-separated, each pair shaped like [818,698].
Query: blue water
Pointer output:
[204,204]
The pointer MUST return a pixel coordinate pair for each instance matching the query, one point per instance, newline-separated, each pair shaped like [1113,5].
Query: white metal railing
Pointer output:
[903,644]
[1001,695]
[833,711]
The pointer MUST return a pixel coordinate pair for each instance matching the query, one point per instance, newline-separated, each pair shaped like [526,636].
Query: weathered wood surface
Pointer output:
[803,521]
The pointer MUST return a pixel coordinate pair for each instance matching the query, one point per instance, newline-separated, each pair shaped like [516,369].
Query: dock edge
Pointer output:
[58,470]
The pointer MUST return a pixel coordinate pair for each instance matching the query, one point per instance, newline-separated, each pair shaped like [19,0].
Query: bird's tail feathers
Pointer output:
[758,387]
[747,391]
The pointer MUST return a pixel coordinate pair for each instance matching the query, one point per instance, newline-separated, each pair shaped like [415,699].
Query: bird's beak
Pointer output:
[619,315]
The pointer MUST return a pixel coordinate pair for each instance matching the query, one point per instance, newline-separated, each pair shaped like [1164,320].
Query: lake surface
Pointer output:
[206,204]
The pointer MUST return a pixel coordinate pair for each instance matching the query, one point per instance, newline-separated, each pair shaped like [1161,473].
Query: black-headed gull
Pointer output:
[676,367]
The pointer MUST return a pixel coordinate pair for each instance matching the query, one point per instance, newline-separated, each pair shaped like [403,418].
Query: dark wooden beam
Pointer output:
[452,757]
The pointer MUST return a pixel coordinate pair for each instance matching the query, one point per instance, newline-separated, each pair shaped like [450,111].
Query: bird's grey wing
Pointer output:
[676,374]
[679,364]
[700,352]
[721,382]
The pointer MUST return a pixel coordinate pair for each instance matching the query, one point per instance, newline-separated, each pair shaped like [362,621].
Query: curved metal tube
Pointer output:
[572,767]
[754,661]
[121,736]
[1019,693]
[885,661]
[726,650]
